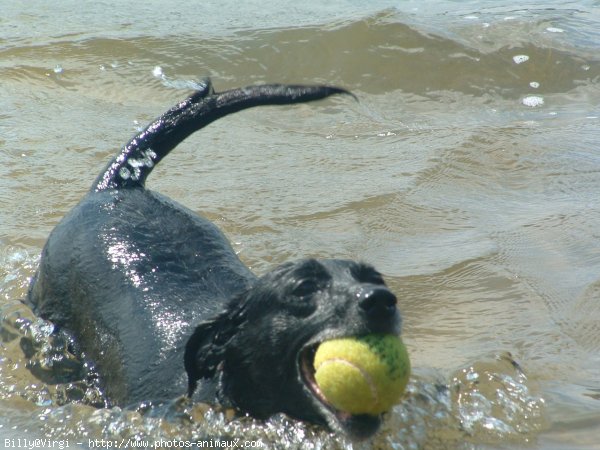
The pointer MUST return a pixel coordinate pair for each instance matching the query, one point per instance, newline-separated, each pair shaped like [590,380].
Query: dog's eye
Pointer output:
[305,288]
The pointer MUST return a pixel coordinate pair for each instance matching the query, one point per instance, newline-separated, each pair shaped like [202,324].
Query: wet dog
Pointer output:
[158,299]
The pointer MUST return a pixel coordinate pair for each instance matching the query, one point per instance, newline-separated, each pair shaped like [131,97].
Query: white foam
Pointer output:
[519,59]
[533,101]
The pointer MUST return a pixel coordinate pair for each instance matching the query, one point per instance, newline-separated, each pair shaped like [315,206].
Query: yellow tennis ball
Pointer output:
[362,375]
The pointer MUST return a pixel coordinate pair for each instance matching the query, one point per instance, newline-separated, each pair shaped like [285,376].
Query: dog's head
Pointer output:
[262,347]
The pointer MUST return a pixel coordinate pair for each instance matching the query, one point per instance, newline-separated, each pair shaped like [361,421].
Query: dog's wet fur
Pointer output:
[155,295]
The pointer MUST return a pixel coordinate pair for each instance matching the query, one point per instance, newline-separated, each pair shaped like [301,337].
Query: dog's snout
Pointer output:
[377,302]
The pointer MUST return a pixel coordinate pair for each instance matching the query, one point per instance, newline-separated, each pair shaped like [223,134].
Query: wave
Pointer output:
[377,54]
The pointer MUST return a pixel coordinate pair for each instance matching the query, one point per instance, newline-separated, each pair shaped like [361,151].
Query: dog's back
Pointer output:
[130,272]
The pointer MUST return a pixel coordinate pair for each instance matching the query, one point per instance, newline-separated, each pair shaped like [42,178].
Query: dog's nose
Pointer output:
[377,302]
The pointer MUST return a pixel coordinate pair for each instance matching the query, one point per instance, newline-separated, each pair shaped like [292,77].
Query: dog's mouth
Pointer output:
[358,426]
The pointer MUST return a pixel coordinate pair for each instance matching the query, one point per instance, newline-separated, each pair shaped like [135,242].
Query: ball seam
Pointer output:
[366,375]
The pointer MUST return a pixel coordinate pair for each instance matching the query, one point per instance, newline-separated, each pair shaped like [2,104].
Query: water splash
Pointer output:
[489,402]
[494,401]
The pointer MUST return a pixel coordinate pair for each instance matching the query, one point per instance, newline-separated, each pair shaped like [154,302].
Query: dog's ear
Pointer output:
[206,348]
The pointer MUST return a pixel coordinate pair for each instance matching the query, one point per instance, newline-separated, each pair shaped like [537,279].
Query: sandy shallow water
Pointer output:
[468,173]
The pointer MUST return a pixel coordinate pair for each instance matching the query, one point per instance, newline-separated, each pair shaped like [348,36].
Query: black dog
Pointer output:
[148,288]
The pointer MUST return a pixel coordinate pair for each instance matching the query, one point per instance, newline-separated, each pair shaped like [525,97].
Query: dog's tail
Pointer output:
[133,164]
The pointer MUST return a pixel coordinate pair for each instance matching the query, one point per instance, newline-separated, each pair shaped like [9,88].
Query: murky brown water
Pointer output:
[468,173]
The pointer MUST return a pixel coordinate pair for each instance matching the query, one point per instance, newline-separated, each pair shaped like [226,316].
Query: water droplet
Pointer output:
[534,84]
[135,163]
[472,376]
[158,72]
[137,172]
[519,59]
[58,69]
[124,173]
[149,156]
[150,153]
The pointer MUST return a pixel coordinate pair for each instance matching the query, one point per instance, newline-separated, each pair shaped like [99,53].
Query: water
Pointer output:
[468,173]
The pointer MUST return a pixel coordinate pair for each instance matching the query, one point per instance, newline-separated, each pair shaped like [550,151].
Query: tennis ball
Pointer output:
[362,375]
